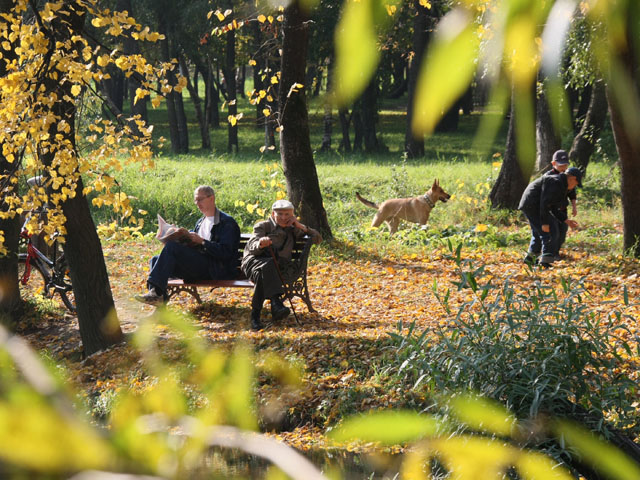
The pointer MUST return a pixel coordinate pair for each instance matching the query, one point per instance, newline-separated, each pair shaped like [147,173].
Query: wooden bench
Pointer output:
[298,287]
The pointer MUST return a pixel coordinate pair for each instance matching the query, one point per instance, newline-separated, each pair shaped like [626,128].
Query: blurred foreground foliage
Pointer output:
[207,400]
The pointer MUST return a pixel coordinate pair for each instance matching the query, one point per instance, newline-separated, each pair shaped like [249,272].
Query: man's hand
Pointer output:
[264,242]
[572,223]
[295,223]
[545,228]
[195,238]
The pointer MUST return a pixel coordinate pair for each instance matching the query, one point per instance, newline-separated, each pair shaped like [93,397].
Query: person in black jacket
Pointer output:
[209,253]
[559,164]
[543,201]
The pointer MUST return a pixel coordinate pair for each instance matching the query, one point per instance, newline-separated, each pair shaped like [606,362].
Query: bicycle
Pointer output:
[54,271]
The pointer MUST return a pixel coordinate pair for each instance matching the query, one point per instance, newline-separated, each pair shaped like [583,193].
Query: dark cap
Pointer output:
[575,172]
[561,157]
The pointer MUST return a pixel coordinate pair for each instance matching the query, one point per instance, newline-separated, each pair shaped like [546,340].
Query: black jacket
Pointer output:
[546,197]
[222,249]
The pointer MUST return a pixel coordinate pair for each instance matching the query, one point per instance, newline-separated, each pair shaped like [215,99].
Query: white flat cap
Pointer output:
[282,205]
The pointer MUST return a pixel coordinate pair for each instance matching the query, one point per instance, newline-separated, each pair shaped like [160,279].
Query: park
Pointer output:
[433,351]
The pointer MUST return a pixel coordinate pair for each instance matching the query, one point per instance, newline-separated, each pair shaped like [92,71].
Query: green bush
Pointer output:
[537,351]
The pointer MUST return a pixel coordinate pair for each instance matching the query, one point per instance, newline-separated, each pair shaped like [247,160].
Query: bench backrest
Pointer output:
[300,252]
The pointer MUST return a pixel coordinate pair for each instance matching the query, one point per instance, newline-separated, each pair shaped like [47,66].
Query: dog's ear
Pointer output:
[435,183]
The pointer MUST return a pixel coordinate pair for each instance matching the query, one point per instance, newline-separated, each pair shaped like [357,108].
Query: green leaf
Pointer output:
[602,456]
[483,414]
[357,53]
[447,71]
[535,466]
[386,427]
[38,437]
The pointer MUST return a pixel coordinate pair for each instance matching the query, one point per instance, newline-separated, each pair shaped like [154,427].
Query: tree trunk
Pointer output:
[113,87]
[345,121]
[512,180]
[183,129]
[10,302]
[240,79]
[327,118]
[99,327]
[466,102]
[197,105]
[625,122]
[414,145]
[584,143]
[399,85]
[358,127]
[547,140]
[260,61]
[370,117]
[174,130]
[295,145]
[628,147]
[449,121]
[230,80]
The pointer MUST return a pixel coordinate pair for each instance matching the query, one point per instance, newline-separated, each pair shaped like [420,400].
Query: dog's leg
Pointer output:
[377,220]
[393,224]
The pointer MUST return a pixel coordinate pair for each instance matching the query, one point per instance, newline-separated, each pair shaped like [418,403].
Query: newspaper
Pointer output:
[169,232]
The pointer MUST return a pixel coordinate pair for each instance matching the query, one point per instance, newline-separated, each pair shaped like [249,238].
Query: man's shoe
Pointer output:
[151,298]
[255,322]
[278,310]
[545,261]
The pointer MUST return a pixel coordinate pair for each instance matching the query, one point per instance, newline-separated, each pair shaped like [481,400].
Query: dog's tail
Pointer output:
[368,203]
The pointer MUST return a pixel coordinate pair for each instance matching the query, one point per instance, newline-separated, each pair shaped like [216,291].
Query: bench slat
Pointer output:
[175,282]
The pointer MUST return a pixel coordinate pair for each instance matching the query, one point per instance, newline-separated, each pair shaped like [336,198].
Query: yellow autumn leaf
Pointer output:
[261,18]
[232,120]
[103,60]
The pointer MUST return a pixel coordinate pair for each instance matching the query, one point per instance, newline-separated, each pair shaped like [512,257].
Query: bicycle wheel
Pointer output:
[62,284]
[38,278]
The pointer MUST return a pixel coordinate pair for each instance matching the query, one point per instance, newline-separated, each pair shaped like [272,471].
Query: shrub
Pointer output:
[538,351]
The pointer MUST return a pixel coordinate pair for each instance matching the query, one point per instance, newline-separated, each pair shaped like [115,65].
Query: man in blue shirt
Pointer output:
[208,252]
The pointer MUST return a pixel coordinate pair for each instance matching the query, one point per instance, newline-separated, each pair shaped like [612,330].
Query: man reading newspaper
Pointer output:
[208,252]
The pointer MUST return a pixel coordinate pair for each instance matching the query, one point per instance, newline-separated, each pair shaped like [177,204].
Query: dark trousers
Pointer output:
[263,273]
[179,261]
[558,235]
[541,242]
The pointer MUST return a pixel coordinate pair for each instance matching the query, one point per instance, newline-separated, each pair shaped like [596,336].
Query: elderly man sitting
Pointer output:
[273,238]
[209,253]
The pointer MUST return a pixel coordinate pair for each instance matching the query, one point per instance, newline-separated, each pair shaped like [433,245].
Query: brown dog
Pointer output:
[415,209]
